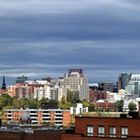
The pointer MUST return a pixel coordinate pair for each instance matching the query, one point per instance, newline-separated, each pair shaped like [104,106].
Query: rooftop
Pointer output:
[105,114]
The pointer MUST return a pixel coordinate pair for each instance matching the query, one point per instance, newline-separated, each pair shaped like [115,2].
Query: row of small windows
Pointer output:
[112,131]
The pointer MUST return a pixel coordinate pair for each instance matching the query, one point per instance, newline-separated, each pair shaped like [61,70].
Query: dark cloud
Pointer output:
[41,38]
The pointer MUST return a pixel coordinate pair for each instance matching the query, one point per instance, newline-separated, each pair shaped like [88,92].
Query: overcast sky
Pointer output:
[40,38]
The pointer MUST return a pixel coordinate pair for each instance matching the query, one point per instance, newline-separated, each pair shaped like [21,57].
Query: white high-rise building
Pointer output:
[133,87]
[76,81]
[51,90]
[41,89]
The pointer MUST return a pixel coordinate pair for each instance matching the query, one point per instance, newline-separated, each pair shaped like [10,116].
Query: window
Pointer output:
[101,131]
[89,130]
[112,131]
[124,132]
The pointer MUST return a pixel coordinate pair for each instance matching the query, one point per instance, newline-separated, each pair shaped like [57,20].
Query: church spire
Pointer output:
[3,83]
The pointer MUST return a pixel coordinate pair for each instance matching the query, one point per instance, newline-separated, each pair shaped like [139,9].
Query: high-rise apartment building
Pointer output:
[105,86]
[76,81]
[133,86]
[24,91]
[123,80]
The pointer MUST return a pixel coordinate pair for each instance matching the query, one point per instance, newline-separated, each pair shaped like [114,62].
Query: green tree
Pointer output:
[91,107]
[85,103]
[64,104]
[119,105]
[5,107]
[25,102]
[73,97]
[33,103]
[132,106]
[5,100]
[17,103]
[43,101]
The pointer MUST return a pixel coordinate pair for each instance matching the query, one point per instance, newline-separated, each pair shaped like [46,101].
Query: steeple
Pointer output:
[3,83]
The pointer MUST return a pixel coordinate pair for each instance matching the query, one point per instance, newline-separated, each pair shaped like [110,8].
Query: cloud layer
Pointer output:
[46,38]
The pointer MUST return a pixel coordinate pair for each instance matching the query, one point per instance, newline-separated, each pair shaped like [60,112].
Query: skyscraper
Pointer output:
[76,81]
[133,87]
[123,80]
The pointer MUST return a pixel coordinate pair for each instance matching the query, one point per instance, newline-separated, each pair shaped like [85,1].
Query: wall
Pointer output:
[38,135]
[133,125]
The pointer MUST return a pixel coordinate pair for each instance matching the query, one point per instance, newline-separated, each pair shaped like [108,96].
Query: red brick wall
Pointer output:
[37,135]
[70,137]
[95,95]
[66,118]
[132,124]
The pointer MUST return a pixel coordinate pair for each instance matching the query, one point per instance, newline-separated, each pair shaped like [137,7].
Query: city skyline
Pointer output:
[46,38]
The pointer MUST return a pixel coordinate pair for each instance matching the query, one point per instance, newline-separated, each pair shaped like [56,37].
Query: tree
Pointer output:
[33,103]
[17,103]
[5,100]
[91,107]
[5,107]
[119,105]
[85,103]
[25,102]
[132,106]
[64,104]
[73,97]
[43,101]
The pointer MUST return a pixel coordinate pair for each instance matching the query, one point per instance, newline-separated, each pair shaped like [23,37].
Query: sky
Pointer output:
[41,38]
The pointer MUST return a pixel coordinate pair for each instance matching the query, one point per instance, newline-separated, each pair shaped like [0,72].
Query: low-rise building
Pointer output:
[105,126]
[57,117]
[78,109]
[97,95]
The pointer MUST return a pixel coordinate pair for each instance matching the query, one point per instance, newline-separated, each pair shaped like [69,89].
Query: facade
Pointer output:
[76,81]
[78,109]
[24,91]
[105,127]
[11,90]
[12,134]
[55,117]
[103,100]
[133,87]
[53,90]
[104,105]
[54,93]
[40,91]
[95,95]
[123,80]
[106,86]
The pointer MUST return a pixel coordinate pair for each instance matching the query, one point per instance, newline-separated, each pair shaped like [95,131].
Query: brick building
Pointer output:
[37,135]
[105,106]
[95,95]
[105,127]
[56,117]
